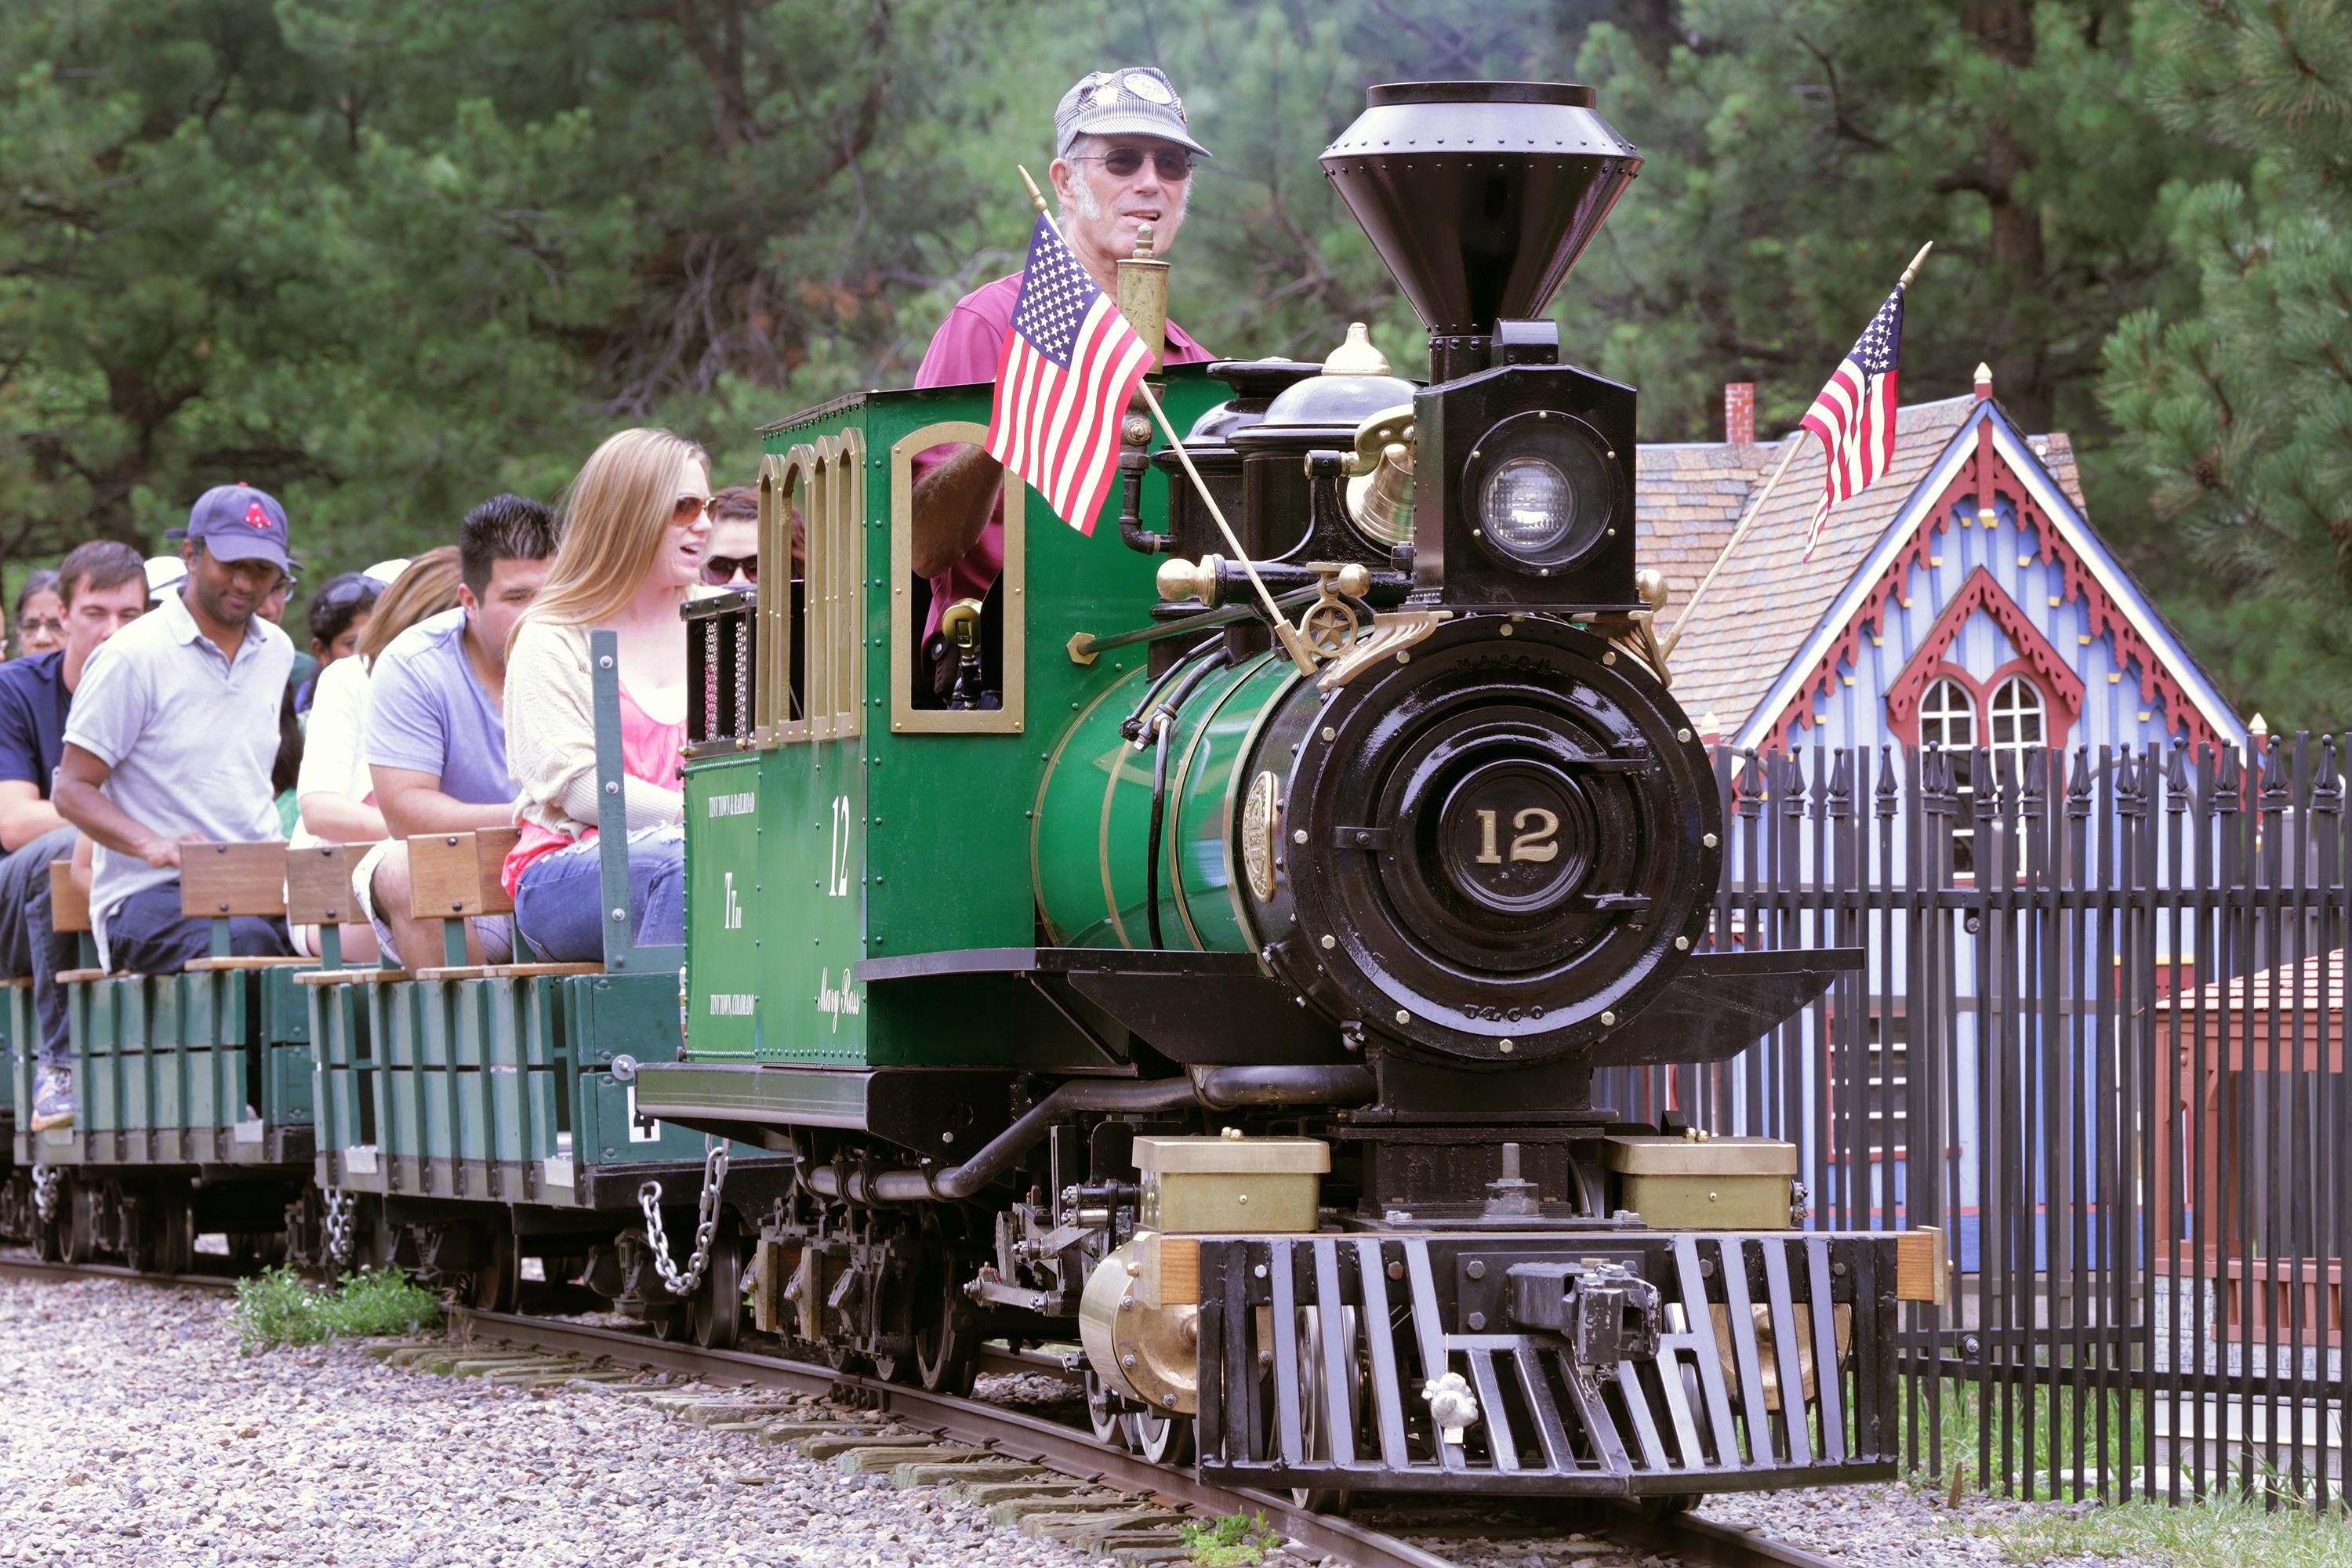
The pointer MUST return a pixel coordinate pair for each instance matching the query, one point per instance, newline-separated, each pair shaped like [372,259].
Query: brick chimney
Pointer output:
[1740,413]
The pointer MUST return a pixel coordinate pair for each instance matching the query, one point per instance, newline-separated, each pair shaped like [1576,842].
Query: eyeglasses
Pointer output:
[687,508]
[719,569]
[1122,163]
[343,593]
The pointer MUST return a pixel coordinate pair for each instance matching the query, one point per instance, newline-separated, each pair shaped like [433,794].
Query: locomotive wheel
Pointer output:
[675,1323]
[1672,1505]
[1313,1407]
[716,1308]
[1108,1425]
[947,1350]
[1161,1437]
[80,1203]
[170,1220]
[375,1241]
[497,1279]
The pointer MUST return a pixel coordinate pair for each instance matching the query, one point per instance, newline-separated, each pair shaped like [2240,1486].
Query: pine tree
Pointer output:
[2241,407]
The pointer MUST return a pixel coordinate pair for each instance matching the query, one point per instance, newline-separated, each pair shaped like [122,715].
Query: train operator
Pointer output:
[1123,158]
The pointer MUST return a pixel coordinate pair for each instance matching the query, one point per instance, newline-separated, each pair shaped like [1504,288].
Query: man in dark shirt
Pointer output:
[104,585]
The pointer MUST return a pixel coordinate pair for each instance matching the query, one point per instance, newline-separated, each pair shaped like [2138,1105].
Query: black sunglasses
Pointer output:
[719,569]
[346,593]
[1123,162]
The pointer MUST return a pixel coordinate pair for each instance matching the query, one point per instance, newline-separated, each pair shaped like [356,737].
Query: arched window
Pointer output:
[2018,720]
[1947,721]
[1948,715]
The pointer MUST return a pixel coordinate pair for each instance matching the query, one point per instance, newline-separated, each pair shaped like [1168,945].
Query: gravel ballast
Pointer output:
[132,1431]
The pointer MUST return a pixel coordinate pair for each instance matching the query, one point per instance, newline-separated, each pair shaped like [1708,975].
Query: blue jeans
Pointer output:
[147,934]
[560,903]
[28,945]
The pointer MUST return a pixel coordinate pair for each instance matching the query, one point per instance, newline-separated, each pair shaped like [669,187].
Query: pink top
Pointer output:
[966,348]
[649,751]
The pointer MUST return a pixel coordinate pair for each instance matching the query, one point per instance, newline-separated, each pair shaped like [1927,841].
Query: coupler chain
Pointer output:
[338,1228]
[714,1176]
[44,1193]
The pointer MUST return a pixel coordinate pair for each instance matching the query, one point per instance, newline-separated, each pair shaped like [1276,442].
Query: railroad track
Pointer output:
[22,1267]
[1415,1539]
[1072,1451]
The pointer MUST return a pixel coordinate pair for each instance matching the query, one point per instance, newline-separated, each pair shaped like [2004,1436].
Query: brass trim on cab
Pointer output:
[781,477]
[904,716]
[829,478]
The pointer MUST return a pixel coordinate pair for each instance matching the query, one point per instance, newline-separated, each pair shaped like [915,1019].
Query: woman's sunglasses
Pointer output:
[687,508]
[719,569]
[1123,162]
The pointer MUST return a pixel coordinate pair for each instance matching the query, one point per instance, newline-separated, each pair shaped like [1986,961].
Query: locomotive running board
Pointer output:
[1284,1404]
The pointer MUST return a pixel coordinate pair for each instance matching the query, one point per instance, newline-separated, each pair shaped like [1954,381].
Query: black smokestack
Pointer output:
[1479,196]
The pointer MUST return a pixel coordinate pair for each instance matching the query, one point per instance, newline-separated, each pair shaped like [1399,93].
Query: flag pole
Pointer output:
[1756,506]
[1294,644]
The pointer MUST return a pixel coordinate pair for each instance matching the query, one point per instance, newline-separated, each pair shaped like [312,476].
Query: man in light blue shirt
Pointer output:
[171,738]
[436,734]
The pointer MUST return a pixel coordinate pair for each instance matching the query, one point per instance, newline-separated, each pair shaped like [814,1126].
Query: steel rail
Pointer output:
[1077,1453]
[40,1270]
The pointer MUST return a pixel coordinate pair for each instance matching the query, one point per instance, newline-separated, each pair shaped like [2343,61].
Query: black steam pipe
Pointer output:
[1233,1086]
[1132,461]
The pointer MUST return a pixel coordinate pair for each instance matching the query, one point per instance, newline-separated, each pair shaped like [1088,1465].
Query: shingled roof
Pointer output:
[1769,598]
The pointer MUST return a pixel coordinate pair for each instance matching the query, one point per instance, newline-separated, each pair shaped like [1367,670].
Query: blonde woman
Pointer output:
[635,523]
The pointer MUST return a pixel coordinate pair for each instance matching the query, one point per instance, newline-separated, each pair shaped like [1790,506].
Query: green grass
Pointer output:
[1956,1421]
[2219,1532]
[281,1307]
[2223,1531]
[1237,1540]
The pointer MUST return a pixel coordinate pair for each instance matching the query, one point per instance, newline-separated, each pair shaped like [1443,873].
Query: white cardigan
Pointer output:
[552,737]
[333,761]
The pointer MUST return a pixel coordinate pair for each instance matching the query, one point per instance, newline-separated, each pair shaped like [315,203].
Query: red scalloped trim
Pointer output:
[2037,656]
[1977,483]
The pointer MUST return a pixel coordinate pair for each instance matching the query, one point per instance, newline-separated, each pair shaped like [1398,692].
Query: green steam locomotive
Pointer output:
[1226,993]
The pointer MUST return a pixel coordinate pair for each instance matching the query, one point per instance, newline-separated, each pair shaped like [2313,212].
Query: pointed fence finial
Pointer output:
[2258,725]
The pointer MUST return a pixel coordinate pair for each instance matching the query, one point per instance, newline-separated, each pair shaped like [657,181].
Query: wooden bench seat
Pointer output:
[351,976]
[319,893]
[453,877]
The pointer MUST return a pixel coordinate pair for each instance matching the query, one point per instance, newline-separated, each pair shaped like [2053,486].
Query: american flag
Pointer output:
[1071,362]
[1854,414]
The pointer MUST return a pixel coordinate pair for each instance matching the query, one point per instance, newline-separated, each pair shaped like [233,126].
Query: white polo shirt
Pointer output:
[191,737]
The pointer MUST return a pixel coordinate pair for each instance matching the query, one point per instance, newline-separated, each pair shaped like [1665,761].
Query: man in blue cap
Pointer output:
[170,741]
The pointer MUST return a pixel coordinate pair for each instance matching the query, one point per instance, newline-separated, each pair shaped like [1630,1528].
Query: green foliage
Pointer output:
[281,1307]
[385,257]
[2240,408]
[1230,1541]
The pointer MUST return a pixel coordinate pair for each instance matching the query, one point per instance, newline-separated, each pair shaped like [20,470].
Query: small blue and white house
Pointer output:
[1961,601]
[1962,604]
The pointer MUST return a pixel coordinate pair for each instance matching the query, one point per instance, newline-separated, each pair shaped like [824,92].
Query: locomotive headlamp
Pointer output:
[1539,491]
[1527,508]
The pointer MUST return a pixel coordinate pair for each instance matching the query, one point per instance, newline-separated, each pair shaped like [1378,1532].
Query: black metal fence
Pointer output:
[2100,1042]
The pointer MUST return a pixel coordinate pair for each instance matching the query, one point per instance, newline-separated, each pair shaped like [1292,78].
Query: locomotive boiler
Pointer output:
[1229,991]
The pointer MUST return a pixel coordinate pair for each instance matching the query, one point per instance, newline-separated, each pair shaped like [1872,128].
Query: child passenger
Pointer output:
[635,523]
